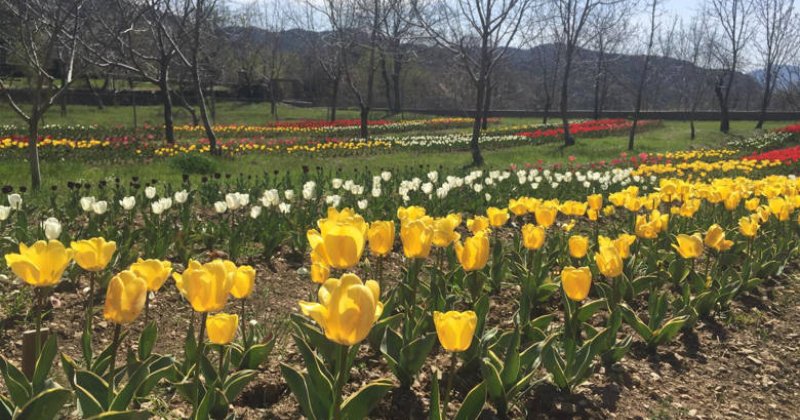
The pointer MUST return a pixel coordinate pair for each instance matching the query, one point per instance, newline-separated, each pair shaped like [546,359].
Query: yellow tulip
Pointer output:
[341,238]
[689,246]
[609,261]
[410,213]
[595,201]
[221,328]
[417,237]
[478,224]
[546,215]
[715,238]
[244,280]
[576,282]
[444,231]
[497,217]
[206,286]
[154,272]
[380,237]
[533,236]
[347,308]
[319,270]
[455,329]
[93,254]
[518,207]
[125,298]
[578,245]
[40,265]
[623,244]
[752,204]
[748,226]
[473,254]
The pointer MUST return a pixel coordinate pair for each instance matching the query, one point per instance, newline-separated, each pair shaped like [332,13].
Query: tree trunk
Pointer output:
[568,139]
[364,122]
[33,150]
[487,104]
[765,99]
[387,84]
[273,103]
[201,102]
[477,158]
[335,96]
[547,105]
[724,122]
[96,96]
[691,127]
[597,82]
[133,103]
[166,100]
[396,71]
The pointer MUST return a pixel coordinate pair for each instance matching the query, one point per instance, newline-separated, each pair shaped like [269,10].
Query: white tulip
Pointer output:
[255,211]
[285,208]
[488,196]
[289,195]
[362,204]
[87,202]
[157,207]
[220,207]
[386,176]
[128,203]
[99,207]
[181,196]
[5,211]
[15,201]
[336,183]
[166,202]
[51,228]
[270,198]
[150,192]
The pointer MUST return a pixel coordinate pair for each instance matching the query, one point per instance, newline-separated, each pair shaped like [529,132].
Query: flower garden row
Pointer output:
[126,147]
[657,246]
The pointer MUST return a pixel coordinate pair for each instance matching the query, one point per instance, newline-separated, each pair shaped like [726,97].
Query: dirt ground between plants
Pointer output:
[743,364]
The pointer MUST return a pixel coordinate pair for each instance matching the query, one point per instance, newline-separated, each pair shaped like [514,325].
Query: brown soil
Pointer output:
[744,364]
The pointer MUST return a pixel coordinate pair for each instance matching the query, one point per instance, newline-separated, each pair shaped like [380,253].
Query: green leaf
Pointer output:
[122,415]
[44,364]
[86,347]
[669,330]
[473,403]
[236,382]
[45,405]
[256,355]
[126,394]
[588,310]
[358,405]
[18,386]
[492,378]
[511,362]
[435,405]
[636,323]
[87,389]
[148,340]
[201,412]
[299,387]
[6,408]
[413,355]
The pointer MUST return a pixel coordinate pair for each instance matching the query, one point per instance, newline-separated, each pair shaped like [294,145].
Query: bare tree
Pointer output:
[777,40]
[398,33]
[609,29]
[39,34]
[692,48]
[132,36]
[731,17]
[479,33]
[653,28]
[570,19]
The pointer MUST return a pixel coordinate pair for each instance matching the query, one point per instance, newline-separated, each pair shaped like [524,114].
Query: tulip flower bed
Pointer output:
[407,293]
[589,128]
[787,155]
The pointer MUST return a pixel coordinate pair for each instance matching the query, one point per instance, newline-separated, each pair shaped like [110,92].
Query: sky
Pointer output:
[683,8]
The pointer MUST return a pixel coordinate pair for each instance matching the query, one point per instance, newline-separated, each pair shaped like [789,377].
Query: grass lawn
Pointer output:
[672,136]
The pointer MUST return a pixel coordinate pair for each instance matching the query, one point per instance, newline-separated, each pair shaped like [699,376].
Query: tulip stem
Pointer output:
[343,370]
[147,307]
[380,271]
[37,307]
[90,303]
[449,388]
[113,367]
[199,356]
[244,323]
[220,373]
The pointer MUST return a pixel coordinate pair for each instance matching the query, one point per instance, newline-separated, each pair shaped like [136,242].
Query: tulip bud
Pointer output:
[40,265]
[455,329]
[221,328]
[51,228]
[576,282]
[380,237]
[578,246]
[125,298]
[153,272]
[347,309]
[533,236]
[93,254]
[474,253]
[689,246]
